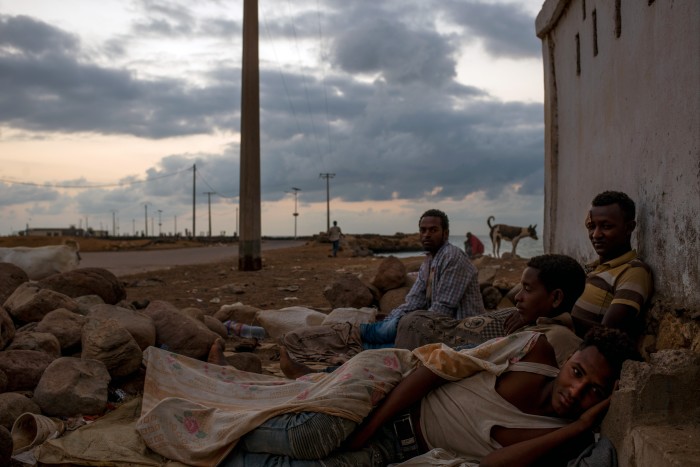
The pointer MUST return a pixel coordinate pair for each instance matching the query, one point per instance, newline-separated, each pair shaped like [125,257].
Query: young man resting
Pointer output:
[550,285]
[519,409]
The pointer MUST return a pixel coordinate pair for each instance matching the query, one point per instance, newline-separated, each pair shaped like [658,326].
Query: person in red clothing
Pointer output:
[473,246]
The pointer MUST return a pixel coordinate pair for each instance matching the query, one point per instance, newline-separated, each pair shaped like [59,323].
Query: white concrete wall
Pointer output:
[630,121]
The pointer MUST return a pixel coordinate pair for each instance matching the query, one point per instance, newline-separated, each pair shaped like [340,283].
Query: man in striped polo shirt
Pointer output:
[619,283]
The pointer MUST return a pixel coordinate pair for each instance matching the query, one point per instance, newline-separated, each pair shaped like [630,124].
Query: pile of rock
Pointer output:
[67,339]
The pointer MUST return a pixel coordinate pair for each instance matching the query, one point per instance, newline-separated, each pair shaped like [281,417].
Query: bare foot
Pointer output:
[291,368]
[216,353]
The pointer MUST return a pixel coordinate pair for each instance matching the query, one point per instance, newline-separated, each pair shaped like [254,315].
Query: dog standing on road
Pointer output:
[508,232]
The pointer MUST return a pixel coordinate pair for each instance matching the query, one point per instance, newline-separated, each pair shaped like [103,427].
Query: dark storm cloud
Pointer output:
[411,130]
[394,51]
[44,91]
[34,38]
[506,29]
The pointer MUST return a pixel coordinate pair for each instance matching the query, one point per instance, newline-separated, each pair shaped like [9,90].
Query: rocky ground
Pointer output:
[290,277]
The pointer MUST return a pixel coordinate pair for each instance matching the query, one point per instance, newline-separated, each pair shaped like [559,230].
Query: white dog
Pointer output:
[43,261]
[508,232]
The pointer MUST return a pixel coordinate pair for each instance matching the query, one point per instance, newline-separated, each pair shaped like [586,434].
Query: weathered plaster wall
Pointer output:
[628,119]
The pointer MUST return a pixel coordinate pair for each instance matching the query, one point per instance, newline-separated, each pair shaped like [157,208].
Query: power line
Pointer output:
[87,187]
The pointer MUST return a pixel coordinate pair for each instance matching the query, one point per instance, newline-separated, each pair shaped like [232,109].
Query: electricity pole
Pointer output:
[249,246]
[209,193]
[159,222]
[145,218]
[328,176]
[114,231]
[296,214]
[194,188]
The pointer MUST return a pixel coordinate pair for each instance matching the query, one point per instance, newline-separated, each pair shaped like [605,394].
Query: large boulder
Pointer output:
[14,404]
[7,329]
[216,326]
[23,368]
[178,332]
[140,326]
[73,386]
[11,277]
[391,274]
[348,291]
[105,339]
[392,299]
[41,341]
[87,281]
[66,325]
[30,303]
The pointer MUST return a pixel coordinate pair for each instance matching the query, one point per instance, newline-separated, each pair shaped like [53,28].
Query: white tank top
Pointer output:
[458,416]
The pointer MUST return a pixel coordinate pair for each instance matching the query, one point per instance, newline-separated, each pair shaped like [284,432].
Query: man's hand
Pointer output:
[594,416]
[513,323]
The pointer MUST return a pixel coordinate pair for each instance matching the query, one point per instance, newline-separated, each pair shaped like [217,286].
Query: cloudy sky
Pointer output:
[106,106]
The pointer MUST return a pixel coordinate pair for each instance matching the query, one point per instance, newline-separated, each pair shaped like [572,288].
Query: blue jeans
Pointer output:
[379,335]
[309,439]
[336,246]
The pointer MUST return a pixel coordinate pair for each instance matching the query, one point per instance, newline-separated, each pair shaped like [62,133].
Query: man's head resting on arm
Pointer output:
[550,285]
[434,228]
[589,375]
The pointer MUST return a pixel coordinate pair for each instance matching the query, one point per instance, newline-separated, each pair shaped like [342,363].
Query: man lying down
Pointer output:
[504,402]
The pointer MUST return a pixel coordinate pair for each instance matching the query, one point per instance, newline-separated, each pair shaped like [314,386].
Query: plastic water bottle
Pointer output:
[234,328]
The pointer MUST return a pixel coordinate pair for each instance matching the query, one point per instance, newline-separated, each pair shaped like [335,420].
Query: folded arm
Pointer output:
[527,447]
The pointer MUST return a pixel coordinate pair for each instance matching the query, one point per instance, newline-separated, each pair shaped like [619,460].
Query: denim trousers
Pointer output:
[309,439]
[336,247]
[379,335]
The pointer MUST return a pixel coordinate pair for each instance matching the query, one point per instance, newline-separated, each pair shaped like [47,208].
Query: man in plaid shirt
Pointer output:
[447,284]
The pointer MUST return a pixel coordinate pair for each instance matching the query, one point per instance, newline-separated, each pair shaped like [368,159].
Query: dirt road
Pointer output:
[122,263]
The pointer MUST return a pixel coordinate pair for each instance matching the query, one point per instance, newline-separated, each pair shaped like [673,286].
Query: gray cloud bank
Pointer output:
[386,116]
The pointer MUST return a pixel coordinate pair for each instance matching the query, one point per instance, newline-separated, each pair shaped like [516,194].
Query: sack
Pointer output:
[279,322]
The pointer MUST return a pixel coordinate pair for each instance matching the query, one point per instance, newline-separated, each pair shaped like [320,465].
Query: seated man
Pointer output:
[450,402]
[447,284]
[619,283]
[550,285]
[473,246]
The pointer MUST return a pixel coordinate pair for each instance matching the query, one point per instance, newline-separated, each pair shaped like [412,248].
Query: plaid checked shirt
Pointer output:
[447,283]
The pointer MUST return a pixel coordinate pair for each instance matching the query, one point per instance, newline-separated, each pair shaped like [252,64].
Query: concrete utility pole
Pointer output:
[209,193]
[194,189]
[160,231]
[114,230]
[328,176]
[145,218]
[249,246]
[296,214]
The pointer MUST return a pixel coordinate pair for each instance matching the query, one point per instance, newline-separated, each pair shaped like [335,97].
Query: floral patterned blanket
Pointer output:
[195,412]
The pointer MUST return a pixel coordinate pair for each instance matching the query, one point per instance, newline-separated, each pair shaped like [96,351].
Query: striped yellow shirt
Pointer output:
[625,280]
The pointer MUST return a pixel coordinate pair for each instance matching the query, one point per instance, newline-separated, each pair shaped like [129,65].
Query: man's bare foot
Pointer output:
[216,353]
[291,368]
